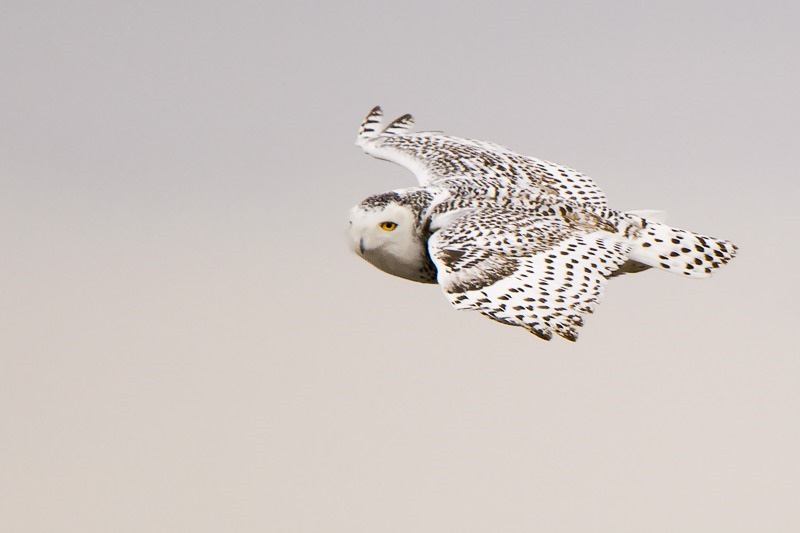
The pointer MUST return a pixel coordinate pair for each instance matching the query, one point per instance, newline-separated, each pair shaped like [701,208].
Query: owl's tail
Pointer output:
[680,251]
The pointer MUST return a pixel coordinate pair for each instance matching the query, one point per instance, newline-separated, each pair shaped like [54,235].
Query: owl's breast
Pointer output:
[415,267]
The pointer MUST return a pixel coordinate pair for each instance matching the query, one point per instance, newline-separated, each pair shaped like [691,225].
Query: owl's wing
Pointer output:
[542,273]
[432,156]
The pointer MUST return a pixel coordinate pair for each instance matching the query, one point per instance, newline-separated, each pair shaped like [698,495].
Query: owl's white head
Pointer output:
[384,231]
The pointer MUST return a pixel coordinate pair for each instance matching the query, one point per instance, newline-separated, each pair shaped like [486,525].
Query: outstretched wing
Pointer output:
[523,269]
[433,156]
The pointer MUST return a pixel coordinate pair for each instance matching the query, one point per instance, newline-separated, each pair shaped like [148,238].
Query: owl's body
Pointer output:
[523,241]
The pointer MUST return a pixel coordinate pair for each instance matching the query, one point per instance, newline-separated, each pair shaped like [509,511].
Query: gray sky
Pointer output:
[187,344]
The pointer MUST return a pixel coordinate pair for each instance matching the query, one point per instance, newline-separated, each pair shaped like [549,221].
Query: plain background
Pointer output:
[187,344]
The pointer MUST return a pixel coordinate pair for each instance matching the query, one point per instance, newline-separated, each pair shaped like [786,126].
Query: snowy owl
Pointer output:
[523,241]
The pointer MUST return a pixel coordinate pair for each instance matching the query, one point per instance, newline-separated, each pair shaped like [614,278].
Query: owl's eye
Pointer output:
[387,226]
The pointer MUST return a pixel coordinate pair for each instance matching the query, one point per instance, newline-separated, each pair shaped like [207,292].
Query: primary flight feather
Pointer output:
[523,241]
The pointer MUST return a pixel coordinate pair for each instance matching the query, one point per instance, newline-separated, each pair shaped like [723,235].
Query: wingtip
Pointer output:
[371,126]
[544,334]
[570,335]
[400,125]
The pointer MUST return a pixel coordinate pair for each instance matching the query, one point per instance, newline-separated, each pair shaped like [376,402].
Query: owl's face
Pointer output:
[386,236]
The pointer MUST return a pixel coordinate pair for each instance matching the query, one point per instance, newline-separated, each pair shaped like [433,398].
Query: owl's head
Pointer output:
[384,230]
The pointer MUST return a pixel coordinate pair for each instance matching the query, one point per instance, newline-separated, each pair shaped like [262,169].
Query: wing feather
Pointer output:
[523,269]
[432,156]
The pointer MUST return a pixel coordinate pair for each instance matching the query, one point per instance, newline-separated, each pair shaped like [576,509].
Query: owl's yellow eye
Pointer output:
[387,226]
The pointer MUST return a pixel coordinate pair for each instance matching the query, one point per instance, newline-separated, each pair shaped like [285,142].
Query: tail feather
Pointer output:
[680,251]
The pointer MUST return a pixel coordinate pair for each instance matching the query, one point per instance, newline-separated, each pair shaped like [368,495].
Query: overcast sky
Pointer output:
[187,343]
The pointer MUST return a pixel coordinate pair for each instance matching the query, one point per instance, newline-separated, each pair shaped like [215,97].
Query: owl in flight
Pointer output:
[523,241]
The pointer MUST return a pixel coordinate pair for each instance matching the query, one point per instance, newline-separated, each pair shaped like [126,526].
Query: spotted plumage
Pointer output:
[523,241]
